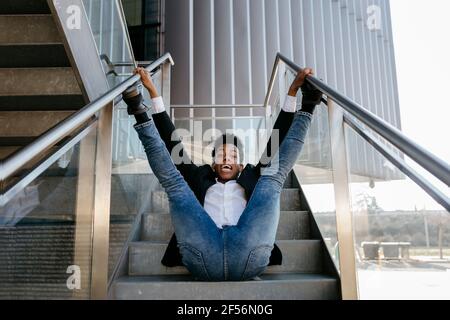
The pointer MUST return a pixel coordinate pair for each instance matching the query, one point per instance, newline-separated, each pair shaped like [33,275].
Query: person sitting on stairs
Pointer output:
[225,216]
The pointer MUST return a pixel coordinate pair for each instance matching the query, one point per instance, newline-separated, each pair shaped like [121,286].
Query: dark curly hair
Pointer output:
[228,138]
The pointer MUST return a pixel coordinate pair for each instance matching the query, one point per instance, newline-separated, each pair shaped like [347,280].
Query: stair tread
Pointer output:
[15,126]
[145,243]
[28,29]
[291,286]
[38,81]
[298,256]
[182,278]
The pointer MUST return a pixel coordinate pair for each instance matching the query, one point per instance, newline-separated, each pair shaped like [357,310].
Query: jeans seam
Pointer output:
[306,114]
[225,257]
[251,259]
[199,255]
[143,125]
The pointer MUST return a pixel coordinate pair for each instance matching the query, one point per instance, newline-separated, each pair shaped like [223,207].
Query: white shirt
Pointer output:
[225,202]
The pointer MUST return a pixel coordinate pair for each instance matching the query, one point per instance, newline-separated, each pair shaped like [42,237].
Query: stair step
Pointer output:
[293,225]
[14,124]
[289,201]
[298,256]
[270,287]
[38,81]
[42,103]
[24,7]
[290,182]
[28,29]
[33,56]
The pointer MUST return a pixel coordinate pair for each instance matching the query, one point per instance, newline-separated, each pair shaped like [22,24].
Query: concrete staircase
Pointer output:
[302,275]
[38,87]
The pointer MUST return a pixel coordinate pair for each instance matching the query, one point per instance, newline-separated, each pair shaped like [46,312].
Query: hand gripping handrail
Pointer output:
[48,139]
[436,166]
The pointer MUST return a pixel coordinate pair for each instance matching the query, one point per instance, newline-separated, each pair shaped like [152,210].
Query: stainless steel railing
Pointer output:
[439,168]
[337,120]
[427,160]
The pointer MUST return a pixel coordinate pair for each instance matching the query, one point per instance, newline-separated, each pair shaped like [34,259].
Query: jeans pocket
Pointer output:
[193,261]
[257,262]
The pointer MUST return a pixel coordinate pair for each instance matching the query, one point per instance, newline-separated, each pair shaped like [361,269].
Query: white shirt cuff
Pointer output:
[158,105]
[290,104]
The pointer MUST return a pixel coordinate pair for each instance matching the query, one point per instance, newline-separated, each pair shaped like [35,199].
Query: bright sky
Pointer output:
[422,47]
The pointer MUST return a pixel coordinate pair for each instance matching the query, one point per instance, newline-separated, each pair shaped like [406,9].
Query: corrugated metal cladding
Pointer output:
[224,52]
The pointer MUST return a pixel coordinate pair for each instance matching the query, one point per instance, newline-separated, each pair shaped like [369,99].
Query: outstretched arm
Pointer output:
[311,98]
[166,129]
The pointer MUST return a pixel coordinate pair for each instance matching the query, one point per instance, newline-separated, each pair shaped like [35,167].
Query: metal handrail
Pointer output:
[401,164]
[48,139]
[436,166]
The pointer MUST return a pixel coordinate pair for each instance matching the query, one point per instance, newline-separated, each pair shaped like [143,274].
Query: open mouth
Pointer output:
[226,168]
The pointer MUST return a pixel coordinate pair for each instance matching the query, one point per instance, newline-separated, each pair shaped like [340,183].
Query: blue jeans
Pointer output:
[235,253]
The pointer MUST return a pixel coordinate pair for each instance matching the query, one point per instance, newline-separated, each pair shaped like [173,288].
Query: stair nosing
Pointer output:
[156,242]
[154,278]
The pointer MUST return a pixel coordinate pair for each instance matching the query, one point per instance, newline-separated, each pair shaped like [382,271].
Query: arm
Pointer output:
[166,129]
[311,98]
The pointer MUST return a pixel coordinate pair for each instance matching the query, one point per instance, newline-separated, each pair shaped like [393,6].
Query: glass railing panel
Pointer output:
[46,229]
[317,183]
[438,184]
[316,150]
[128,153]
[133,183]
[402,239]
[313,168]
[110,32]
[199,130]
[132,194]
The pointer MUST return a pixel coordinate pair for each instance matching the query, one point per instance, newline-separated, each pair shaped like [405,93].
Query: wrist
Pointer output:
[153,92]
[293,91]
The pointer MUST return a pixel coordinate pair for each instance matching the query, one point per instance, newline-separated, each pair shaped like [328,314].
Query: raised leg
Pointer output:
[198,236]
[252,239]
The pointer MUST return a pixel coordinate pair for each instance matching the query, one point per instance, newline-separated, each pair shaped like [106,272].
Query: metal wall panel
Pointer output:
[225,49]
[258,56]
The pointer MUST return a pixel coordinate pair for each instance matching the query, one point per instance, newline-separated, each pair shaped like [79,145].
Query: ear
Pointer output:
[241,167]
[212,166]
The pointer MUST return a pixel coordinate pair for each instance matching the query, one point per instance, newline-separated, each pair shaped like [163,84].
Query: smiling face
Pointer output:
[227,163]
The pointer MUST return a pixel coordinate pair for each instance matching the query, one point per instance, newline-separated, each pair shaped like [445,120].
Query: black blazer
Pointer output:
[201,178]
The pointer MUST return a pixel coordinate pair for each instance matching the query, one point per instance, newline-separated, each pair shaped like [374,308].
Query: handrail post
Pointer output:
[165,84]
[84,210]
[344,219]
[100,237]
